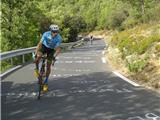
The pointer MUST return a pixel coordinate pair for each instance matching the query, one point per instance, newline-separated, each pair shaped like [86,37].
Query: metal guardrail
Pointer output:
[23,52]
[10,54]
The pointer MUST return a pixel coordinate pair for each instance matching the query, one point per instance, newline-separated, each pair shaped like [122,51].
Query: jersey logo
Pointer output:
[49,40]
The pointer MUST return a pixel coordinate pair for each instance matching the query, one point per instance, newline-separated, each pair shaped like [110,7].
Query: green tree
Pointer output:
[20,26]
[23,21]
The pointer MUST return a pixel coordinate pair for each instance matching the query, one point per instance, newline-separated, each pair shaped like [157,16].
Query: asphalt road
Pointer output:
[81,87]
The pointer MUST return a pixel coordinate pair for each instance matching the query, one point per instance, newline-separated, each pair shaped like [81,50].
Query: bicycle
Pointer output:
[41,74]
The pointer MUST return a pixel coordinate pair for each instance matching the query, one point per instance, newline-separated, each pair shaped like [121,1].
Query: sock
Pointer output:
[46,80]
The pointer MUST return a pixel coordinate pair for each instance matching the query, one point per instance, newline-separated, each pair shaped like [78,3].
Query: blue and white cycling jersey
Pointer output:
[49,41]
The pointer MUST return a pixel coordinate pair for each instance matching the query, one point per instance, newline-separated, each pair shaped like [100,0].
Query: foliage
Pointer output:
[72,25]
[158,48]
[135,45]
[136,66]
[24,21]
[136,40]
[19,24]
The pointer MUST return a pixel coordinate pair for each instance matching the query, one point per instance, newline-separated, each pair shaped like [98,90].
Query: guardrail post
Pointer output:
[23,59]
[12,61]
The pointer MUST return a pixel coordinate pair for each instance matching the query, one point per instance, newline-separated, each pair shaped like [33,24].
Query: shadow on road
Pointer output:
[96,96]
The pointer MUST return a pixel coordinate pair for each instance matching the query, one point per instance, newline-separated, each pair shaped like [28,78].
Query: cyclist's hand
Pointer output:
[54,60]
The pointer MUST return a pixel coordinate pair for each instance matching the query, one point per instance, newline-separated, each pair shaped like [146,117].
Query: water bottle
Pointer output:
[33,56]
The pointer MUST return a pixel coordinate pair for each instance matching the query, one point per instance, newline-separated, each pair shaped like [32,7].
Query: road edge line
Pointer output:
[9,71]
[125,79]
[103,59]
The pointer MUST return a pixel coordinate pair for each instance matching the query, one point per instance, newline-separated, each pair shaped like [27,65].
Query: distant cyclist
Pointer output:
[91,39]
[50,45]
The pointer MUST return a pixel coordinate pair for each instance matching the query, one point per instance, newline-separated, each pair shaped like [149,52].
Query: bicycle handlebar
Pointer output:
[43,57]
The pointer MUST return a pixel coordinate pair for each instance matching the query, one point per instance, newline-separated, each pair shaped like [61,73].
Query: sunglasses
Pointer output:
[54,31]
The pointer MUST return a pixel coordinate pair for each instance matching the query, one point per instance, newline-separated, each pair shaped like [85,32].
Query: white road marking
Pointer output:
[126,79]
[148,116]
[103,52]
[72,70]
[64,92]
[91,61]
[66,57]
[152,116]
[83,54]
[80,61]
[103,60]
[65,75]
[135,118]
[68,61]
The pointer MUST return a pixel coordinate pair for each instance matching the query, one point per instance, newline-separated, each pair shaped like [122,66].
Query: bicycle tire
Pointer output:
[40,82]
[40,86]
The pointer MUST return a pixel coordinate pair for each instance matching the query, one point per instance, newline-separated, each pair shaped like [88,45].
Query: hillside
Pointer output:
[135,53]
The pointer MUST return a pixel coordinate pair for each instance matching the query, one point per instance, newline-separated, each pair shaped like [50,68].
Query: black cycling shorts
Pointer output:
[50,52]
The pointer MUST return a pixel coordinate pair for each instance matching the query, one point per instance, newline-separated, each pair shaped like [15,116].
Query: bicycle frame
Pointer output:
[40,78]
[41,73]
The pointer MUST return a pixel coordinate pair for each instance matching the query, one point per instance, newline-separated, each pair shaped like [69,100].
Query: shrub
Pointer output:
[152,14]
[146,43]
[137,65]
[129,23]
[136,40]
[116,18]
[158,48]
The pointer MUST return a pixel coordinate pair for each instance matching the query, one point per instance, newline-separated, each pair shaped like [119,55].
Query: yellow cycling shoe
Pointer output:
[45,88]
[36,73]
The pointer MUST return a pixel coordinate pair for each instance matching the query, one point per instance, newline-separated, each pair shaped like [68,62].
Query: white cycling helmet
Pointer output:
[54,28]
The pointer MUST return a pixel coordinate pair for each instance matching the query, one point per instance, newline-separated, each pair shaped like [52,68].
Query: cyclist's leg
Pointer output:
[39,54]
[50,54]
[37,59]
[48,71]
[49,62]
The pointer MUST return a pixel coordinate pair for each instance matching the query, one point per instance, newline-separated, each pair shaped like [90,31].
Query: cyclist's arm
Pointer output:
[57,47]
[58,50]
[39,46]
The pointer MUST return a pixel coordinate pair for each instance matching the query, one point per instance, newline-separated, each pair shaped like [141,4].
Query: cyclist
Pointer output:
[91,39]
[50,45]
